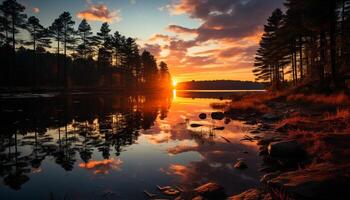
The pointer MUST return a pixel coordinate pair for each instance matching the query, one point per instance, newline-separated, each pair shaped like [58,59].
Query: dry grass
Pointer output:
[219,106]
[332,100]
[254,102]
[292,121]
[341,114]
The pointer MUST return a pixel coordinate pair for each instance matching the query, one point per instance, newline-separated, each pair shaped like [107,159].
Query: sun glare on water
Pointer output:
[174,83]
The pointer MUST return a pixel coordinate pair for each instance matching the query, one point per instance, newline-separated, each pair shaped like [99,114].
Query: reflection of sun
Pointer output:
[174,83]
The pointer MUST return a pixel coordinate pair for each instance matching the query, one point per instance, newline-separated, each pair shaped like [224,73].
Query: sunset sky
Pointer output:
[199,39]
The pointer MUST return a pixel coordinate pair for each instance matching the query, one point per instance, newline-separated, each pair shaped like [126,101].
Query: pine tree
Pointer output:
[84,31]
[67,39]
[15,19]
[165,79]
[56,30]
[150,68]
[39,38]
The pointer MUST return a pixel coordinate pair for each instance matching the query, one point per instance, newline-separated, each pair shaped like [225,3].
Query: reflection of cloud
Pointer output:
[35,10]
[102,166]
[159,138]
[37,170]
[99,12]
[181,148]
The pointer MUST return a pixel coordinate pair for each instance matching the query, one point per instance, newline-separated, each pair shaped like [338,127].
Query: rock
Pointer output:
[168,190]
[196,125]
[217,115]
[240,165]
[252,194]
[285,149]
[271,117]
[202,116]
[227,121]
[211,191]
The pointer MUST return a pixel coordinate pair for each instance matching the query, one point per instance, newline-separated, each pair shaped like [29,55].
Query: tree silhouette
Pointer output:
[39,37]
[67,38]
[165,78]
[311,42]
[84,31]
[104,52]
[150,68]
[56,29]
[15,18]
[83,53]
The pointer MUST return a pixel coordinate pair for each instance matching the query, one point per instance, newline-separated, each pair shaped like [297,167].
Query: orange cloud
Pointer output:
[99,12]
[157,37]
[102,166]
[35,10]
[181,30]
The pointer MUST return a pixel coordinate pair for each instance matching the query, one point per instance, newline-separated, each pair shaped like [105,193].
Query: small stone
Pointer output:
[211,191]
[217,115]
[240,165]
[285,149]
[196,125]
[202,116]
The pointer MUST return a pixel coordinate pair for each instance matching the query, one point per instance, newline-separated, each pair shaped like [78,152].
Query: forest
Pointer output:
[65,56]
[309,42]
[220,85]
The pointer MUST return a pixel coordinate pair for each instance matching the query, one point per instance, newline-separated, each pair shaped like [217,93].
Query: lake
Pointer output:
[118,146]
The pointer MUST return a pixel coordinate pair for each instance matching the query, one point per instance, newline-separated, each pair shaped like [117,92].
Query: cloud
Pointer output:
[226,39]
[35,10]
[99,12]
[154,49]
[181,30]
[157,37]
[226,18]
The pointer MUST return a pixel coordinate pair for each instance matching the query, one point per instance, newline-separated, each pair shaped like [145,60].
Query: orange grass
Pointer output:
[341,114]
[333,100]
[254,102]
[292,121]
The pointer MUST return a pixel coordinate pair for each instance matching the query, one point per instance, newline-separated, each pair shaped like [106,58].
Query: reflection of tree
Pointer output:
[69,128]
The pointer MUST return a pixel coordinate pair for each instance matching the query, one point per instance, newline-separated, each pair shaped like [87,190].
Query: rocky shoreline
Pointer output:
[303,144]
[303,147]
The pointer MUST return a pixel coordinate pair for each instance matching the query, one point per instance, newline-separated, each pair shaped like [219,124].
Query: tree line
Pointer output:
[64,56]
[309,42]
[220,85]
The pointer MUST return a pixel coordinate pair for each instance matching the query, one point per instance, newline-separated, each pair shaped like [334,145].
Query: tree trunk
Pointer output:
[322,54]
[332,37]
[301,69]
[295,67]
[34,58]
[58,59]
[65,78]
[13,51]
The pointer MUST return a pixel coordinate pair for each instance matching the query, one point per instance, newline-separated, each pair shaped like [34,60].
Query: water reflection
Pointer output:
[117,143]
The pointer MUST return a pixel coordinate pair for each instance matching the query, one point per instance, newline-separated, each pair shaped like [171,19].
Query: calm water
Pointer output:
[115,147]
